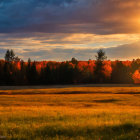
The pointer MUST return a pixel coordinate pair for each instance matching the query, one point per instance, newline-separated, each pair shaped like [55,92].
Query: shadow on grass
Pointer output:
[127,93]
[80,92]
[64,92]
[106,101]
[120,132]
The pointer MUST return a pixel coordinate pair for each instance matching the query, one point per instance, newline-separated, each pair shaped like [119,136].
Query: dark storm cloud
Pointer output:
[73,16]
[16,16]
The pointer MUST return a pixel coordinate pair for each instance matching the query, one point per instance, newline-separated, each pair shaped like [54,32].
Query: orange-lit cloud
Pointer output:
[61,29]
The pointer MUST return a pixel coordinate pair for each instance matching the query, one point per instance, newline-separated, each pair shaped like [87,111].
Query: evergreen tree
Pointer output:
[74,60]
[10,56]
[99,76]
[121,73]
[7,56]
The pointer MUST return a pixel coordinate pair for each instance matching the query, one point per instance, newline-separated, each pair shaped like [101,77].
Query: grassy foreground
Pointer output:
[79,113]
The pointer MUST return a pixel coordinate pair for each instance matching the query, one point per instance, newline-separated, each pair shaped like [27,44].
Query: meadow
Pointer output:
[71,113]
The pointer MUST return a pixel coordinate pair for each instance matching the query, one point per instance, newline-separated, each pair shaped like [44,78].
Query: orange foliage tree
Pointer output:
[136,77]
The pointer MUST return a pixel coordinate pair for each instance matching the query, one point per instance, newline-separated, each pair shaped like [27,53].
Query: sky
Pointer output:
[58,30]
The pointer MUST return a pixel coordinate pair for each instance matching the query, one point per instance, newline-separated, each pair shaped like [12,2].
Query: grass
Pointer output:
[76,113]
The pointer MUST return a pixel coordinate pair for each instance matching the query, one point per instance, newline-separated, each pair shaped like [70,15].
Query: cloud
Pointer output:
[130,51]
[70,16]
[64,40]
[121,52]
[61,29]
[2,51]
[64,46]
[126,51]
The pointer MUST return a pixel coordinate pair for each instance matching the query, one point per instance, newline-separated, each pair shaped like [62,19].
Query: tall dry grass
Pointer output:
[98,113]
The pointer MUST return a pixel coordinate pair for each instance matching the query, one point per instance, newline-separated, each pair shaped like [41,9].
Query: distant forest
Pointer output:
[14,71]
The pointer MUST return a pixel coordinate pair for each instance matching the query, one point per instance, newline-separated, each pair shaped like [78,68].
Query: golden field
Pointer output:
[75,113]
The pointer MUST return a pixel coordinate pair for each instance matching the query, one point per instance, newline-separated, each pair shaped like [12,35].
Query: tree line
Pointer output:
[14,71]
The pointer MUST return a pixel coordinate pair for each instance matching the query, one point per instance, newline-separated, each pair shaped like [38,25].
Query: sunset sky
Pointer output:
[62,29]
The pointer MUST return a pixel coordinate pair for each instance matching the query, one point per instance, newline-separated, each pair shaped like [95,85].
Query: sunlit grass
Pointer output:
[97,113]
